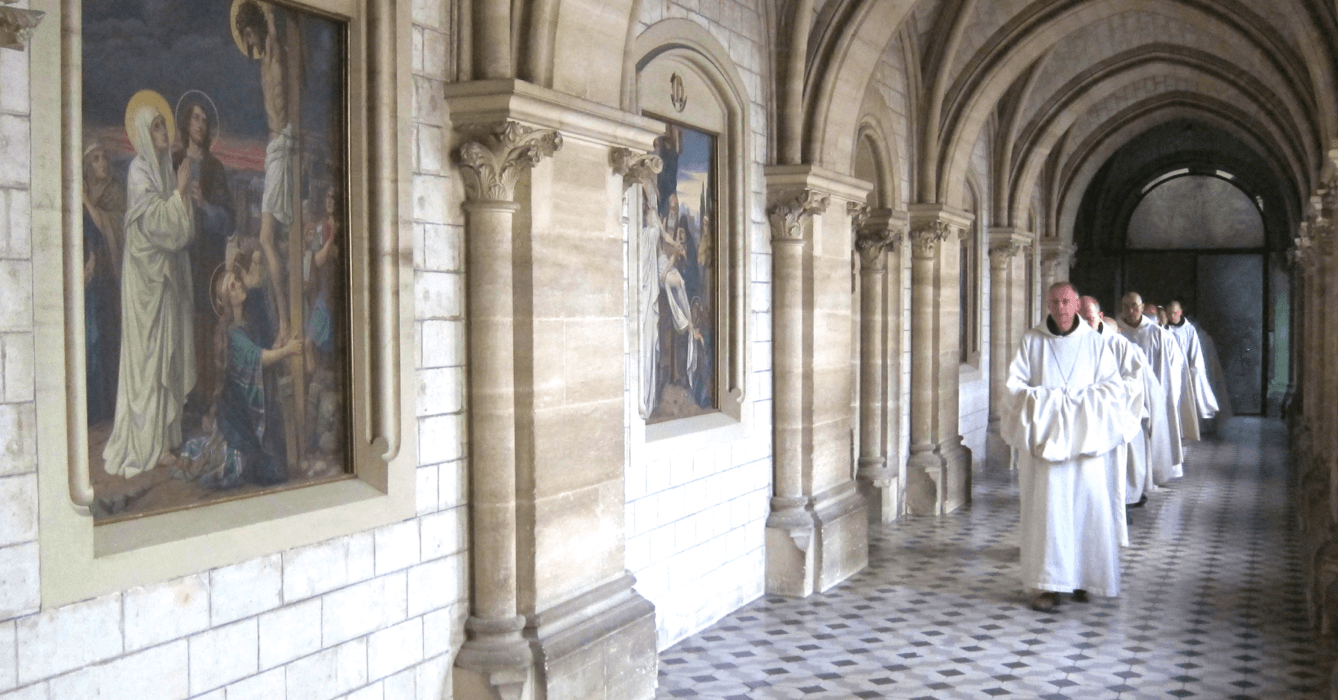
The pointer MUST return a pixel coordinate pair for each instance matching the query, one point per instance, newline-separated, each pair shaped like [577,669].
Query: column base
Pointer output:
[938,478]
[881,490]
[495,663]
[812,547]
[597,646]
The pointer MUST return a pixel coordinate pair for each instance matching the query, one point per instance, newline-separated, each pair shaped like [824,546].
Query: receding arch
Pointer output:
[873,135]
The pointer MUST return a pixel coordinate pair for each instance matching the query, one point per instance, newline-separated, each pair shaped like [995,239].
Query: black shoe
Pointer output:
[1079,595]
[1045,601]
[1142,501]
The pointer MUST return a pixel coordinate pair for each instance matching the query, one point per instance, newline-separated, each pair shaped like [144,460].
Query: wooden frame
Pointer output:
[78,560]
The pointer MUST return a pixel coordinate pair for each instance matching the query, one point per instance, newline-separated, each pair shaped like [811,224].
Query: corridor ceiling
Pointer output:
[1056,88]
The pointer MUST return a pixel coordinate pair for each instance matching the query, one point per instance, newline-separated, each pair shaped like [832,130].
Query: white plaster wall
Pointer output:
[376,615]
[696,516]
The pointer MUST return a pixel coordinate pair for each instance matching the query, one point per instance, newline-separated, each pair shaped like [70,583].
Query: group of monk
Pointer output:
[1099,411]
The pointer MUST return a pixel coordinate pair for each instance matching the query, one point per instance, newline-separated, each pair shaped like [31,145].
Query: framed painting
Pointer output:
[218,248]
[215,277]
[679,279]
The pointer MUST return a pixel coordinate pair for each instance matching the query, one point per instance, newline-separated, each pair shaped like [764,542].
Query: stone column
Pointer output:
[1008,309]
[938,473]
[547,322]
[875,234]
[1056,259]
[495,659]
[816,534]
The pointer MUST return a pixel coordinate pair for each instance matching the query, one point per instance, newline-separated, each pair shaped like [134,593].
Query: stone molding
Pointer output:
[493,162]
[789,211]
[17,26]
[635,168]
[880,231]
[1002,254]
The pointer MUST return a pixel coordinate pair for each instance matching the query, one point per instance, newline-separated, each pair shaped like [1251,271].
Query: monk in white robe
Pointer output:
[1198,386]
[157,367]
[1167,363]
[1072,405]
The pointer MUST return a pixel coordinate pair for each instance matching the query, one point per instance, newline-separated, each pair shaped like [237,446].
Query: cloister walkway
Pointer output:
[1212,606]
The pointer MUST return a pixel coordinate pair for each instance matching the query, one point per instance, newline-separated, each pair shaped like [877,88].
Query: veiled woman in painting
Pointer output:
[104,217]
[157,366]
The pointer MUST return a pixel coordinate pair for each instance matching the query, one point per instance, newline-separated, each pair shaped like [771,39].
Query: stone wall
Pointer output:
[374,615]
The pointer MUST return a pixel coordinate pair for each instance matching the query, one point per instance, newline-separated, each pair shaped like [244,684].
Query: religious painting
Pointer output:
[678,279]
[216,281]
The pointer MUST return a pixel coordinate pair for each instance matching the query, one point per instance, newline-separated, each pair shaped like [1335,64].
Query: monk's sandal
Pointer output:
[1045,601]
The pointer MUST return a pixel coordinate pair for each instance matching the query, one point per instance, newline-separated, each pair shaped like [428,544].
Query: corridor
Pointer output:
[1211,606]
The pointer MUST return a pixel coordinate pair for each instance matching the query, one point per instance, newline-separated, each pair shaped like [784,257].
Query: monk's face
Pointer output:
[1131,309]
[1063,305]
[1090,311]
[1174,313]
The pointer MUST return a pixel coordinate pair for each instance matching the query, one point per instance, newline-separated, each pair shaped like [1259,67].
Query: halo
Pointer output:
[213,124]
[213,284]
[236,34]
[148,98]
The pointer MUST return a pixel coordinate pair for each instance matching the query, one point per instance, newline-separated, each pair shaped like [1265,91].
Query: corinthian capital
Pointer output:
[492,163]
[635,168]
[16,26]
[788,212]
[1001,255]
[925,238]
[871,242]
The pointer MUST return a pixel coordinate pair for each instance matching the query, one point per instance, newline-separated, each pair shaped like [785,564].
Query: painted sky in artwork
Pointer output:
[174,46]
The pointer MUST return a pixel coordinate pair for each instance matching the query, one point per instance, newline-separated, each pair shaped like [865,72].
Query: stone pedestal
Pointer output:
[816,534]
[938,473]
[548,621]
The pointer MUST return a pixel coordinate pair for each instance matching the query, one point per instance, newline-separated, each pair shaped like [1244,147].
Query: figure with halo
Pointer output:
[157,365]
[211,199]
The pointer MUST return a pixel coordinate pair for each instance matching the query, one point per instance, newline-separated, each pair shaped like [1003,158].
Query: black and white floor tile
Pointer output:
[1212,606]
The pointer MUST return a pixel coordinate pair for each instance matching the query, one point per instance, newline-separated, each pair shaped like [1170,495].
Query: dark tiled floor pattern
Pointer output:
[1211,608]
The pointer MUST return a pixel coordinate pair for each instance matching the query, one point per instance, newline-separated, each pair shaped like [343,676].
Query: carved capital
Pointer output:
[1305,254]
[859,215]
[500,152]
[871,242]
[1003,254]
[925,238]
[635,168]
[789,211]
[17,25]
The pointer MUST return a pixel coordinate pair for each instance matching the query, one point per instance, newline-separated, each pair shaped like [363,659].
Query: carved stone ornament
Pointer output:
[787,214]
[1001,255]
[17,25]
[492,163]
[871,242]
[925,239]
[859,215]
[1051,262]
[635,168]
[678,92]
[1304,253]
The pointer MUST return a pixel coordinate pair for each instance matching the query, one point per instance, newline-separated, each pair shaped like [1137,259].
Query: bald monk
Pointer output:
[1167,363]
[1204,400]
[1072,403]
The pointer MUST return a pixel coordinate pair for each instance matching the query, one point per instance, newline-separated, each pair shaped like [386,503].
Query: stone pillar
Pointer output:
[938,473]
[1008,320]
[875,234]
[546,434]
[816,534]
[495,659]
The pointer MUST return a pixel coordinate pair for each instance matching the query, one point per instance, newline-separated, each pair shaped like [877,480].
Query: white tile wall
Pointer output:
[327,621]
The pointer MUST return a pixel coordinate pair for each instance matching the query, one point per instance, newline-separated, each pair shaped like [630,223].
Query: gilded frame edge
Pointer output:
[75,561]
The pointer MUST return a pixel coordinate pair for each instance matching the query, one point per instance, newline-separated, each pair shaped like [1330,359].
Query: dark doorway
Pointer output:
[1231,289]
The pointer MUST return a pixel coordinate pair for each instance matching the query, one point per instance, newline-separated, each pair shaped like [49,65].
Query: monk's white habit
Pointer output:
[1144,451]
[1204,400]
[1072,405]
[1167,362]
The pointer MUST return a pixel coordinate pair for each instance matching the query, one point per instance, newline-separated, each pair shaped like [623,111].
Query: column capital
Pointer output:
[1057,255]
[933,223]
[497,154]
[926,236]
[17,25]
[788,210]
[1006,244]
[635,168]
[881,231]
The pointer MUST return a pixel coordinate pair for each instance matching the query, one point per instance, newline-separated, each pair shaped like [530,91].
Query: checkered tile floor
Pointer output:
[1212,606]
